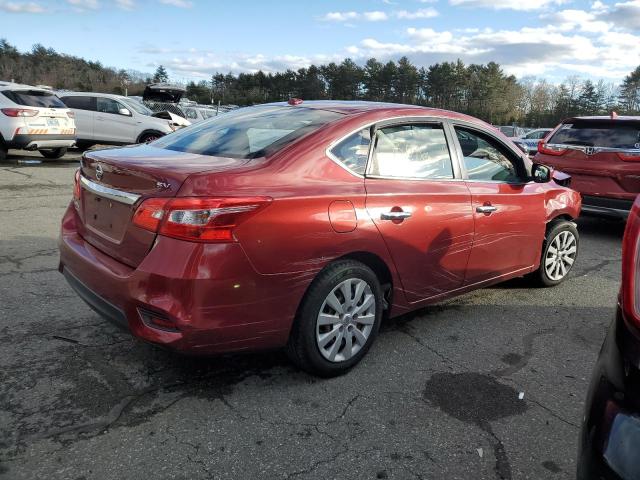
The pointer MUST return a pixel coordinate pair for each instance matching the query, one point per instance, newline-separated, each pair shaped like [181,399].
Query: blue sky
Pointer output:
[193,38]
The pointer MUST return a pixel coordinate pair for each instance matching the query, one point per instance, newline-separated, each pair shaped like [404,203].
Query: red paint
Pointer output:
[342,216]
[244,293]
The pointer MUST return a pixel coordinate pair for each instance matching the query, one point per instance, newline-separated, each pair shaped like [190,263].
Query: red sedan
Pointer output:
[303,224]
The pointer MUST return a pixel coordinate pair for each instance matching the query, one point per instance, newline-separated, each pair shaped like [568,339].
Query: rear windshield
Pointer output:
[248,132]
[609,134]
[34,98]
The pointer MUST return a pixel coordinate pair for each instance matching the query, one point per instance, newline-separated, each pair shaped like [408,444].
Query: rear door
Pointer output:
[421,206]
[508,209]
[84,108]
[111,125]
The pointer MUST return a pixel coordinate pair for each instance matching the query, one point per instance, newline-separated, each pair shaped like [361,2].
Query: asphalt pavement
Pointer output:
[437,397]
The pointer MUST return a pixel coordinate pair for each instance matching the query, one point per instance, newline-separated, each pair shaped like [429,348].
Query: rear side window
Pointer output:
[353,151]
[34,98]
[412,151]
[80,103]
[250,132]
[609,134]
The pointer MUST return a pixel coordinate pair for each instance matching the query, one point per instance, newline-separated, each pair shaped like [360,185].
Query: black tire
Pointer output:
[302,348]
[541,277]
[149,137]
[3,151]
[53,153]
[83,146]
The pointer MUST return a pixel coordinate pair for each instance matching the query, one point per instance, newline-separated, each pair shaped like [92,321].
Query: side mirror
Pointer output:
[125,111]
[541,173]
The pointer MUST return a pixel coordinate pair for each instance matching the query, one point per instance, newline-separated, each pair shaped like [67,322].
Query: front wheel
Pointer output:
[53,153]
[338,320]
[559,253]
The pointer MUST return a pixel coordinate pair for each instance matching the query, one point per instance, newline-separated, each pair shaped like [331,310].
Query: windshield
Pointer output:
[34,98]
[248,132]
[137,106]
[607,133]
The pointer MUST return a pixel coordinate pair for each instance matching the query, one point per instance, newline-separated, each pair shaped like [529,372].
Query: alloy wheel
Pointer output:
[561,254]
[346,319]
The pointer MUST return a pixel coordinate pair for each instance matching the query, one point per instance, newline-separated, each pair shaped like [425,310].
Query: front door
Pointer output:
[113,126]
[421,206]
[508,208]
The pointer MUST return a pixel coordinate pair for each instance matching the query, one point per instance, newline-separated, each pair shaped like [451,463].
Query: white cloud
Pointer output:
[522,5]
[421,13]
[22,7]
[376,16]
[85,4]
[177,3]
[340,16]
[624,14]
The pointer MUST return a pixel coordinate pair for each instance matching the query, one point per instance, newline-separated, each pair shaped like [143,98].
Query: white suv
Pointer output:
[108,119]
[33,118]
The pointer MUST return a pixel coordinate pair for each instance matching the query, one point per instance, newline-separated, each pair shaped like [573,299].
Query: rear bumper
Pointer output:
[610,432]
[35,142]
[210,292]
[614,207]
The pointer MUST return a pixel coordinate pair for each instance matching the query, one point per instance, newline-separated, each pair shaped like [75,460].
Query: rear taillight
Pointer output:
[19,112]
[71,115]
[630,290]
[629,157]
[76,190]
[550,149]
[197,219]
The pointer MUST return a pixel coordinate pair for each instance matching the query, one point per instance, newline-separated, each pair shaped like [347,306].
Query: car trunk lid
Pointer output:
[115,181]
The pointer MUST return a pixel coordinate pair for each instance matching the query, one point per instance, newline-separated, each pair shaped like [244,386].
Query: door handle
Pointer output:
[488,209]
[394,215]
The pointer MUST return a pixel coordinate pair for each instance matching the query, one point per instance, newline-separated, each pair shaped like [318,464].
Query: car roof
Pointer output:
[354,107]
[21,86]
[64,93]
[620,118]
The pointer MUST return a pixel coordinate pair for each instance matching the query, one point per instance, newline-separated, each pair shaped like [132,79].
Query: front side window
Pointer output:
[108,105]
[411,151]
[249,132]
[353,151]
[485,159]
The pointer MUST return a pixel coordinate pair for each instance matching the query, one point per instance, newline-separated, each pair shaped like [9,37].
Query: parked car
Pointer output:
[610,432]
[531,139]
[106,119]
[602,155]
[302,224]
[511,131]
[33,118]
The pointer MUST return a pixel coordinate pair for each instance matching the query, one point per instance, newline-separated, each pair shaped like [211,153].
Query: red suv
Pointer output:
[602,155]
[302,224]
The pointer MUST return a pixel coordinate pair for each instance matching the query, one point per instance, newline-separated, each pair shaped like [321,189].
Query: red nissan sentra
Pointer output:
[303,224]
[602,155]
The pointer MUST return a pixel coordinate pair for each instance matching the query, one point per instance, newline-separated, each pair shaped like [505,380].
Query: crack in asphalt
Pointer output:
[315,465]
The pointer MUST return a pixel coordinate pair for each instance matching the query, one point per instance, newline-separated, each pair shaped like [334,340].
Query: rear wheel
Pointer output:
[3,151]
[53,153]
[338,320]
[559,253]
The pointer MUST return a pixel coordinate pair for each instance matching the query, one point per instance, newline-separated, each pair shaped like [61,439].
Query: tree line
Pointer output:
[484,91]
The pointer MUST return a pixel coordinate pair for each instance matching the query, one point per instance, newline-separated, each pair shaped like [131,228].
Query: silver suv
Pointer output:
[106,119]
